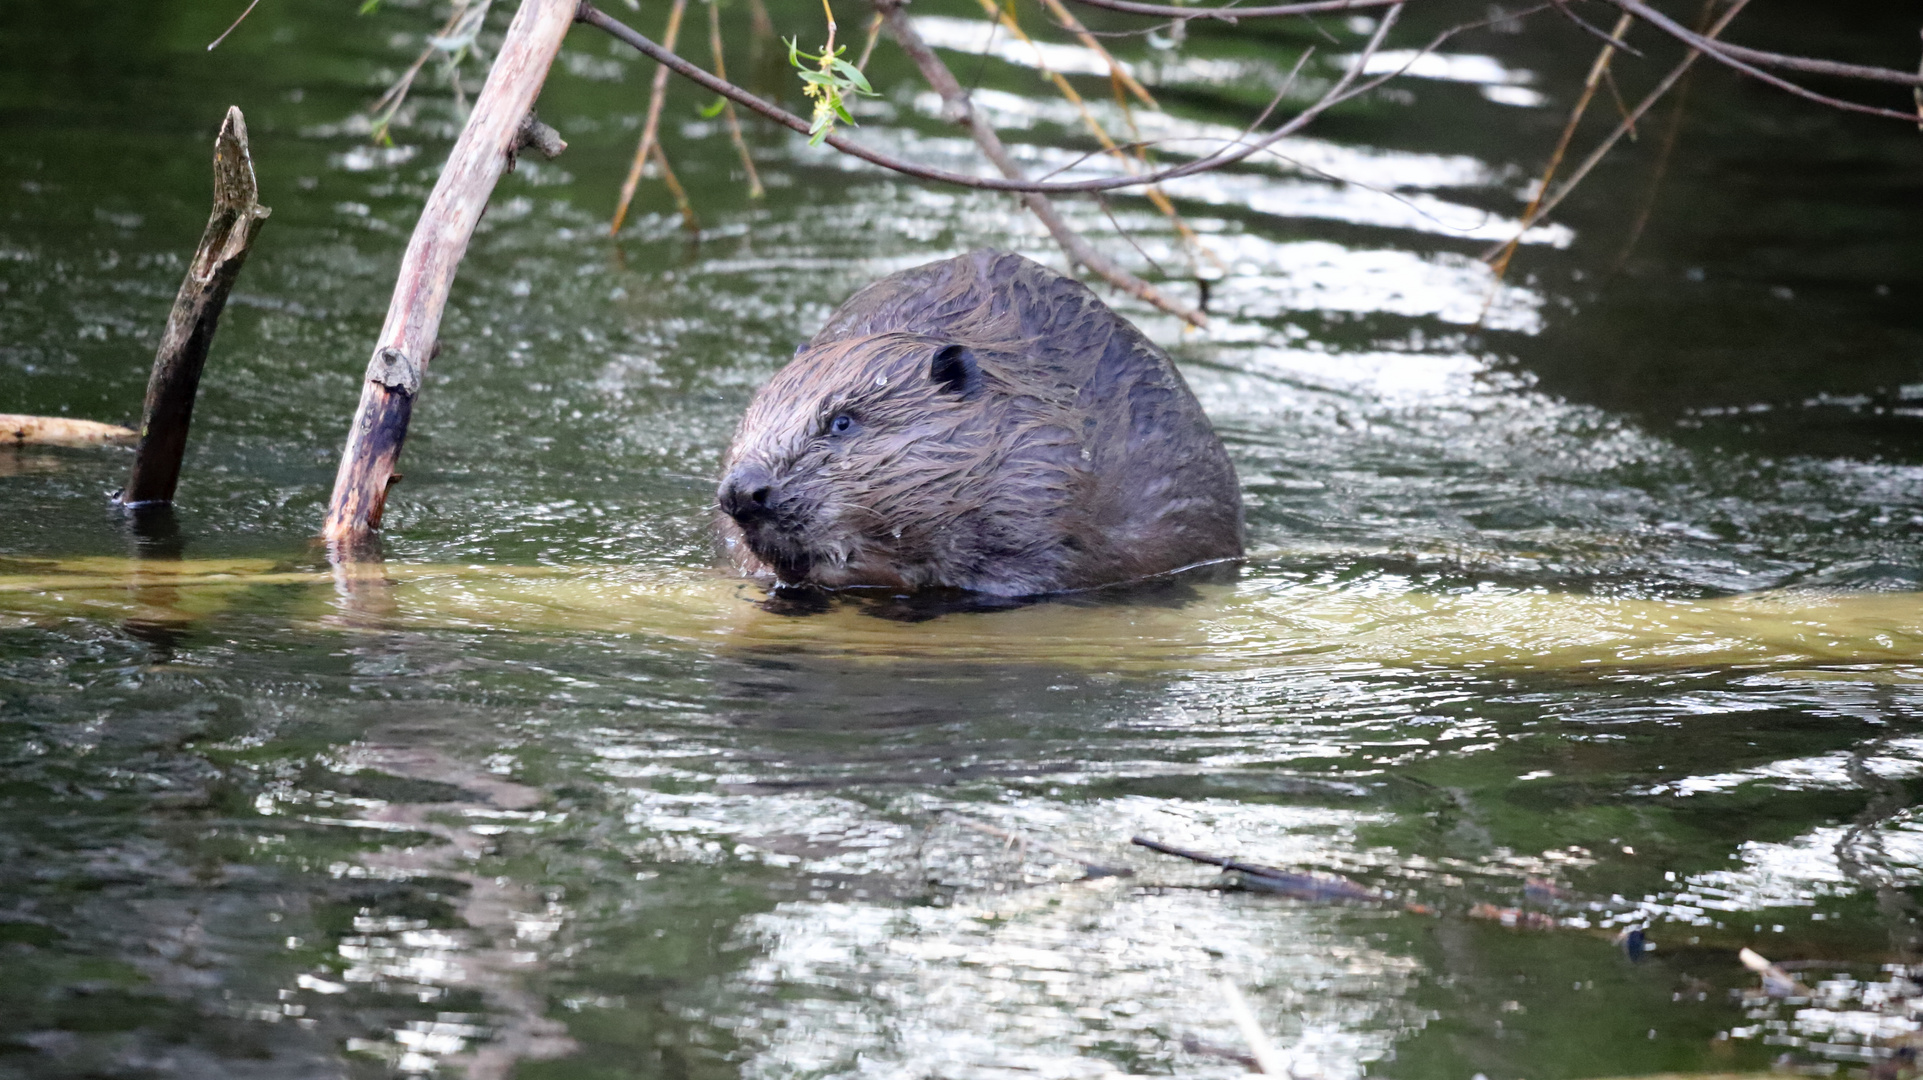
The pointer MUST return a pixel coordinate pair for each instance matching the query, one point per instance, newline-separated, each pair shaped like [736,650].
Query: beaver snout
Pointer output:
[747,494]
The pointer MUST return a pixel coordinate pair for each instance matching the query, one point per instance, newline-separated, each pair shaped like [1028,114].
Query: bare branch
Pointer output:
[1550,203]
[1345,89]
[1596,72]
[956,105]
[1722,54]
[1117,72]
[241,18]
[1720,49]
[1231,14]
[1613,41]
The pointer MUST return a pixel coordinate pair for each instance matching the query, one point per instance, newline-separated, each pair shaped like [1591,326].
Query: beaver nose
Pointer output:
[746,494]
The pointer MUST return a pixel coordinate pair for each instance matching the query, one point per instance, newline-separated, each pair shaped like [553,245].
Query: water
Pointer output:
[1593,611]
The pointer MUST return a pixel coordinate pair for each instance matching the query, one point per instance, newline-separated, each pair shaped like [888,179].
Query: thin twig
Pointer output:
[1614,40]
[675,191]
[231,27]
[1117,72]
[648,128]
[1729,57]
[1672,132]
[1232,15]
[1346,88]
[1596,71]
[957,106]
[1549,203]
[1616,95]
[388,105]
[1723,49]
[755,190]
[868,46]
[1068,91]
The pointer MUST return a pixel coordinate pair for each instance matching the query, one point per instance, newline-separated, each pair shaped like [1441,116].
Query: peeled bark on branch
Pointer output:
[408,338]
[224,245]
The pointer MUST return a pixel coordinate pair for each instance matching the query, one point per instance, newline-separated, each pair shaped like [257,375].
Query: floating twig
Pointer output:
[1303,886]
[1776,981]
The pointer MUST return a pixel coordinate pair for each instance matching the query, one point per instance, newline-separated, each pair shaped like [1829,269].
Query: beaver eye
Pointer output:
[842,424]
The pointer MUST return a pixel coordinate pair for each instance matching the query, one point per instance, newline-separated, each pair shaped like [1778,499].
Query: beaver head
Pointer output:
[904,460]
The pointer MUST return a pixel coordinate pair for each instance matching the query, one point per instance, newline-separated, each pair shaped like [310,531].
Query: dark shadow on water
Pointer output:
[1174,590]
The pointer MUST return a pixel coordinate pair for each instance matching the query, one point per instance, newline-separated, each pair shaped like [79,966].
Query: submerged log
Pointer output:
[18,430]
[224,245]
[407,341]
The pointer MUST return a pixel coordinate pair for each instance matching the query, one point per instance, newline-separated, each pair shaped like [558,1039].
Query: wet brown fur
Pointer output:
[1070,455]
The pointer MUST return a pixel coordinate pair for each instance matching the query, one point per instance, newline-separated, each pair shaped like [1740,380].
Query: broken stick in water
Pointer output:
[224,245]
[495,130]
[18,430]
[1273,879]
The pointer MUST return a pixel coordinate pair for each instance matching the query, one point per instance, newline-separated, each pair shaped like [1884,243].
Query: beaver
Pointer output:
[981,423]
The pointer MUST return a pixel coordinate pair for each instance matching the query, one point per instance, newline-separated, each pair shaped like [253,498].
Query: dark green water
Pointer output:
[618,822]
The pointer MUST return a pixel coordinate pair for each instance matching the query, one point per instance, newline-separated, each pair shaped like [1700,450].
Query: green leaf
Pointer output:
[712,111]
[842,111]
[794,50]
[817,78]
[369,5]
[853,75]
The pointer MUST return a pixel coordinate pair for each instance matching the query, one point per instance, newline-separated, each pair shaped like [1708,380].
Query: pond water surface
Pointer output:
[1578,605]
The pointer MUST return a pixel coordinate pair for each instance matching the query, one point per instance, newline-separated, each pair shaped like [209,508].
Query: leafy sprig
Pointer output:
[828,81]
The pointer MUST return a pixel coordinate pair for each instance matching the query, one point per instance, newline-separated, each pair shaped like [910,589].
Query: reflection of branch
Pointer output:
[1888,801]
[955,104]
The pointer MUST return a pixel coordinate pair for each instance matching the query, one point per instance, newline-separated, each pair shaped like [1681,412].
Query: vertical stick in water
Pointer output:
[494,130]
[229,236]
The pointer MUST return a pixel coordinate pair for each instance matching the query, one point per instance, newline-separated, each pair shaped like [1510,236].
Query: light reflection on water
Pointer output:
[558,798]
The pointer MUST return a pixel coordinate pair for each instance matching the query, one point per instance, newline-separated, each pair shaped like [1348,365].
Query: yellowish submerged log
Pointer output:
[1867,636]
[19,430]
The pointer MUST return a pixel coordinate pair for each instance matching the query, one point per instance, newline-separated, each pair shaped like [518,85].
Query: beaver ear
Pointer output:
[954,368]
